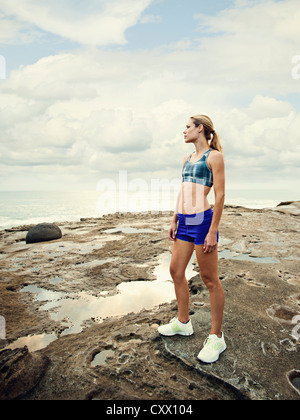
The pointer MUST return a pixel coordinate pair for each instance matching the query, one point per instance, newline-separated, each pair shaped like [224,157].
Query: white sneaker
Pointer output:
[213,347]
[175,327]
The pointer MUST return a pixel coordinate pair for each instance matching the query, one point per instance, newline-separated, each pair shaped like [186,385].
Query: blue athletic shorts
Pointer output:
[194,227]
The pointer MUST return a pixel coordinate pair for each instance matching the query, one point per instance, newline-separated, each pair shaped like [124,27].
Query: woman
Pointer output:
[198,230]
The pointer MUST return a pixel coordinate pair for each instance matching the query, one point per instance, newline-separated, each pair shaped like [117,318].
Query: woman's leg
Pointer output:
[208,264]
[181,255]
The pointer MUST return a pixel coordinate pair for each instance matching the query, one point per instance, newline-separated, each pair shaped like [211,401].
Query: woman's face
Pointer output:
[191,133]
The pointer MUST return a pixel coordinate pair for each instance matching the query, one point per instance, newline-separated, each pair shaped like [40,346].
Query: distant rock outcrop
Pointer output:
[289,207]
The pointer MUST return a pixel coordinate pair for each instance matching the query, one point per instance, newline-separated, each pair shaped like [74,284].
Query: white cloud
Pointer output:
[151,19]
[92,113]
[255,18]
[123,121]
[254,44]
[261,144]
[16,32]
[90,22]
[265,107]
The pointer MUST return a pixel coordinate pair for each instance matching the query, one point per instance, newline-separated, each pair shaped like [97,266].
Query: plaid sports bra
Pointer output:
[198,172]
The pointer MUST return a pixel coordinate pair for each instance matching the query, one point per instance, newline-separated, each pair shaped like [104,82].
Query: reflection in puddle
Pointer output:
[100,358]
[162,270]
[34,343]
[73,309]
[42,295]
[227,254]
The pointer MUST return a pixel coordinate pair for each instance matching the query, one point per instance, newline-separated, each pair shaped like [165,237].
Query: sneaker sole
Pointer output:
[177,333]
[215,360]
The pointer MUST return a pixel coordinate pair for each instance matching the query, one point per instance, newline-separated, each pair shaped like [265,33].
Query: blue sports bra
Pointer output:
[198,172]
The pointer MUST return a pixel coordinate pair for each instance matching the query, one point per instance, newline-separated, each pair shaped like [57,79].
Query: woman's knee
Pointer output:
[210,281]
[176,273]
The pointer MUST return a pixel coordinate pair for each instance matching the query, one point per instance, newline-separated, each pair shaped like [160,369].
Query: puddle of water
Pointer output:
[162,270]
[227,254]
[95,263]
[292,258]
[11,270]
[296,383]
[100,358]
[42,295]
[294,380]
[58,249]
[225,241]
[56,280]
[239,246]
[131,297]
[34,343]
[128,229]
[73,309]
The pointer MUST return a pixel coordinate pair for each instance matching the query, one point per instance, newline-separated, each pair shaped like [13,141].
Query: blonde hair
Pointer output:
[214,141]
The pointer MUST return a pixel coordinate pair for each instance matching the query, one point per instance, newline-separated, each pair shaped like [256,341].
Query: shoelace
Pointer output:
[173,320]
[210,341]
[207,342]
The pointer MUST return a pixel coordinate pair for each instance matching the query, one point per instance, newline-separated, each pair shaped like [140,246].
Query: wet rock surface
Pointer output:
[122,356]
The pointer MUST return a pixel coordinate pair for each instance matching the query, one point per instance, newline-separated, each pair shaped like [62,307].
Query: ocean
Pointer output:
[33,207]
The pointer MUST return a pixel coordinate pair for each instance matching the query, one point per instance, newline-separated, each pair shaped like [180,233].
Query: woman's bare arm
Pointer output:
[216,162]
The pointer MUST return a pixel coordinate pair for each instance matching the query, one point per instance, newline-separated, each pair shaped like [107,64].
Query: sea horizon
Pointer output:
[19,208]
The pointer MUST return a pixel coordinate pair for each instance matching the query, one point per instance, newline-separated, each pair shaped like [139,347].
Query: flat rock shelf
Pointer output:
[79,315]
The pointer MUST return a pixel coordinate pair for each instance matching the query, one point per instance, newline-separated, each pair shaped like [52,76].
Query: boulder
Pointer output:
[20,372]
[289,207]
[43,232]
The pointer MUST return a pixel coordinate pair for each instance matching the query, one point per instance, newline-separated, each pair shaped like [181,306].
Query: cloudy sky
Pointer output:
[97,86]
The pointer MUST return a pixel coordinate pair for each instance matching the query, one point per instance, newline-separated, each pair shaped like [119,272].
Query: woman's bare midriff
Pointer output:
[192,198]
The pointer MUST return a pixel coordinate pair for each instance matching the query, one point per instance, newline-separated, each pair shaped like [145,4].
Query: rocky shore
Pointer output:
[79,315]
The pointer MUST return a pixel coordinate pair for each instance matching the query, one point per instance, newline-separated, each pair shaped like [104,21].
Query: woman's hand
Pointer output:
[210,243]
[172,231]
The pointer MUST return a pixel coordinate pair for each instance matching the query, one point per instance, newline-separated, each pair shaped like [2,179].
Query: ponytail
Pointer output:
[214,141]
